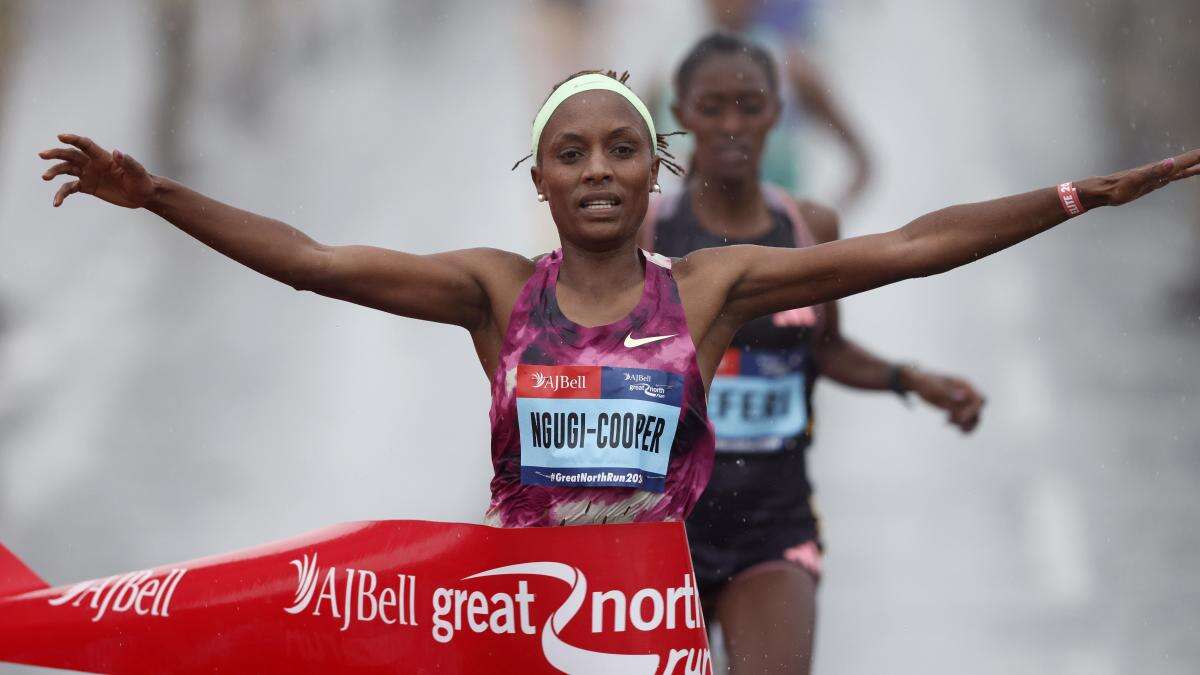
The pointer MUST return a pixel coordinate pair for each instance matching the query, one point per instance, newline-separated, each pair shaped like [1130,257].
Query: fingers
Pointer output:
[67,154]
[64,191]
[968,403]
[60,169]
[962,403]
[969,423]
[1187,160]
[1181,166]
[966,417]
[1187,173]
[1136,183]
[85,144]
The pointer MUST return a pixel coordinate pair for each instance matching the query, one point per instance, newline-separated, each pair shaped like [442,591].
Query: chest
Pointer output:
[597,307]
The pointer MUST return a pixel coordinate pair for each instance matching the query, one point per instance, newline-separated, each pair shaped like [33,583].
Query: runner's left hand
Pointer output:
[1125,186]
[956,396]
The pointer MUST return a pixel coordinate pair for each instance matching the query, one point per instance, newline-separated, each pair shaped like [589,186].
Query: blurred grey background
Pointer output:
[159,403]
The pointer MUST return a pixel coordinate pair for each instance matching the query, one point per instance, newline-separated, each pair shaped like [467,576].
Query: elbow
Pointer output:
[303,282]
[918,256]
[931,264]
[312,272]
[926,269]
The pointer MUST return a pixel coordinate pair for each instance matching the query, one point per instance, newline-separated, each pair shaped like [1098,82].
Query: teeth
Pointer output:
[599,205]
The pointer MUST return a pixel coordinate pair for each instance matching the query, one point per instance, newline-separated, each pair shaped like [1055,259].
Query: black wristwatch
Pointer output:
[896,380]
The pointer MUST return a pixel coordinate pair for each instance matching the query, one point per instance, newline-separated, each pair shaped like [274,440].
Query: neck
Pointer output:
[601,274]
[729,208]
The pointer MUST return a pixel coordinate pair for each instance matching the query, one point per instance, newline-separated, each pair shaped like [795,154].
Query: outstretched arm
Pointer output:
[762,280]
[441,287]
[846,362]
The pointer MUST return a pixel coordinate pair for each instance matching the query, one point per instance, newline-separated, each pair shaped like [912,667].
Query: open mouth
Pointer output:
[599,202]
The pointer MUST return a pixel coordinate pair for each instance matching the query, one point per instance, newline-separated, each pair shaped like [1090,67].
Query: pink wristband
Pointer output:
[1069,197]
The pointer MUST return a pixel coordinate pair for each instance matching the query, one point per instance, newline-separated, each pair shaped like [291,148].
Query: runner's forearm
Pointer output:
[266,245]
[940,241]
[848,363]
[772,279]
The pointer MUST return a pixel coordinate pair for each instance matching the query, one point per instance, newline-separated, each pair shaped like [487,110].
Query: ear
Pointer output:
[654,170]
[677,111]
[535,173]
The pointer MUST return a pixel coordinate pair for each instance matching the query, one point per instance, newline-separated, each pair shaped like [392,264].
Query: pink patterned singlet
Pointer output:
[602,424]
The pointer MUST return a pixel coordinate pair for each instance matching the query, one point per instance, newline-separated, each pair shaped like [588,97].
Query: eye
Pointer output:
[751,106]
[707,105]
[624,150]
[568,155]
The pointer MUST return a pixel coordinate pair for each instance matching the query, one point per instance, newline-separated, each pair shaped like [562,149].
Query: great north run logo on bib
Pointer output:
[756,401]
[597,426]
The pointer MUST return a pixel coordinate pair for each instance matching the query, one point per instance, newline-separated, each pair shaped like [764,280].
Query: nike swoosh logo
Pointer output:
[631,342]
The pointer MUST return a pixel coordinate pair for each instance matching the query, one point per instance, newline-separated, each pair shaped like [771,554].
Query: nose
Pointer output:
[598,170]
[730,123]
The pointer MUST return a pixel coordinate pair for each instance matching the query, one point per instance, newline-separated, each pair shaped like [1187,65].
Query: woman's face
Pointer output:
[729,106]
[596,166]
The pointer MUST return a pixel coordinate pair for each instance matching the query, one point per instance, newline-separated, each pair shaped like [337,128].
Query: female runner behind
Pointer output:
[754,533]
[808,98]
[599,357]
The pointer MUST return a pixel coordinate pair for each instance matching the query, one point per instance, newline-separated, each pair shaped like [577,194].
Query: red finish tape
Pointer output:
[383,596]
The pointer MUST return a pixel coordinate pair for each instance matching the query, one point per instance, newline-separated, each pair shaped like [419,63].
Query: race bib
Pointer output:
[597,426]
[757,400]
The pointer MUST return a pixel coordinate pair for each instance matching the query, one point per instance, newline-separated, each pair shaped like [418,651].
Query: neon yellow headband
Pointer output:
[578,85]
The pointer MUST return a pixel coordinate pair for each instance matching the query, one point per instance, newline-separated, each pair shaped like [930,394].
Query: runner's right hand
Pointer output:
[113,176]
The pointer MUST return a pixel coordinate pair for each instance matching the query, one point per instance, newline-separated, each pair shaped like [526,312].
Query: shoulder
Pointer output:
[821,220]
[491,266]
[483,257]
[711,265]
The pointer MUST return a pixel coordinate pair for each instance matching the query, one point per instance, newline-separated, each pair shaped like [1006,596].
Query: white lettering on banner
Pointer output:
[649,609]
[362,600]
[556,382]
[449,602]
[698,661]
[140,593]
[667,608]
[352,595]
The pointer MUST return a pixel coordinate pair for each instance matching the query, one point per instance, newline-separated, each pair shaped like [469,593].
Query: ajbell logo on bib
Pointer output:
[558,381]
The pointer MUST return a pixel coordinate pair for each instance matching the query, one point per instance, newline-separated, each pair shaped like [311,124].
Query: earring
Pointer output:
[541,197]
[656,188]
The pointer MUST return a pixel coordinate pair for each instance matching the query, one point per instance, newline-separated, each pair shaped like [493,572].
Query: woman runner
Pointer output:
[754,534]
[598,355]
